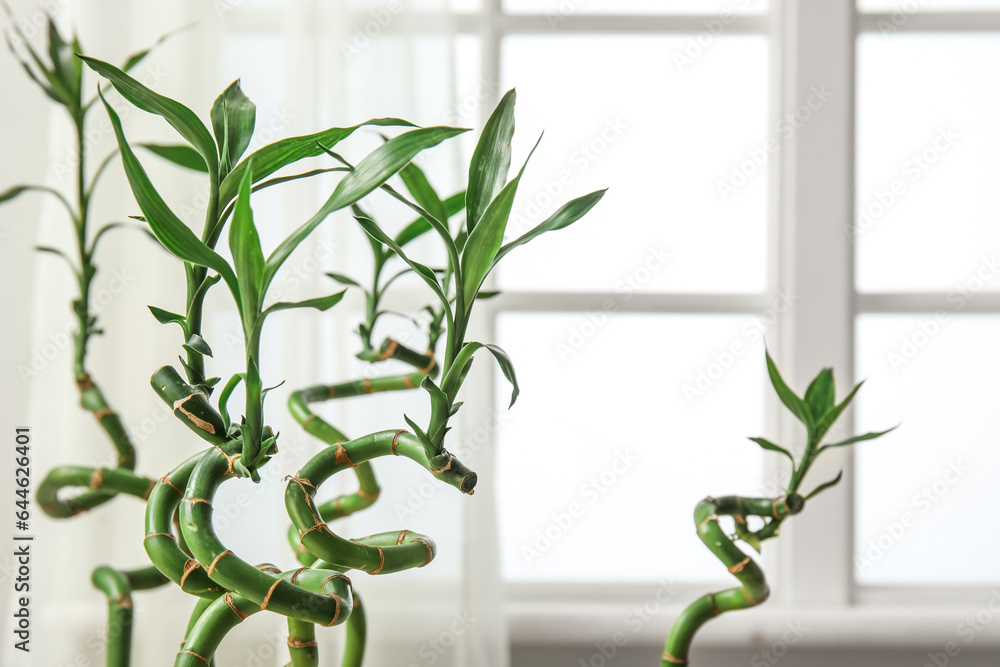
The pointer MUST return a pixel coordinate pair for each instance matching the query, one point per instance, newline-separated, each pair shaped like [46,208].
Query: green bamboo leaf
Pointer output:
[116,225]
[18,190]
[820,394]
[252,427]
[791,400]
[284,152]
[173,234]
[506,366]
[343,280]
[166,317]
[427,274]
[487,237]
[233,119]
[248,258]
[420,433]
[770,446]
[826,485]
[224,395]
[63,61]
[369,174]
[197,345]
[179,116]
[828,419]
[859,438]
[564,217]
[320,303]
[420,226]
[180,154]
[59,253]
[491,160]
[423,193]
[138,57]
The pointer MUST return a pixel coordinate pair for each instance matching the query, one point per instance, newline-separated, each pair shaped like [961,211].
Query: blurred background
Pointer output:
[816,174]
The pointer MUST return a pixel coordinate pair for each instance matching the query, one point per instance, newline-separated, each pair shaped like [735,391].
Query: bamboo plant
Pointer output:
[60,76]
[423,363]
[190,554]
[818,410]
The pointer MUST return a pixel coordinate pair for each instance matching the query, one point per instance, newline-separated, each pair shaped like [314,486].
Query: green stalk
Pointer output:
[377,554]
[753,589]
[118,586]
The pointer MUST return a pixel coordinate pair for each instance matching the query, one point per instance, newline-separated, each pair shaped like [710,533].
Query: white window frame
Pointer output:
[811,208]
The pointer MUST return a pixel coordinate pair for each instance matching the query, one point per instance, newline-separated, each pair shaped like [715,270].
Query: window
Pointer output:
[810,171]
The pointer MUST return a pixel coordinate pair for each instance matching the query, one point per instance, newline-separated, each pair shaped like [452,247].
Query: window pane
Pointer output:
[927,161]
[561,8]
[603,458]
[920,489]
[663,138]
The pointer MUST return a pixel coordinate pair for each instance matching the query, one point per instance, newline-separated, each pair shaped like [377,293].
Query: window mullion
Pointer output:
[816,130]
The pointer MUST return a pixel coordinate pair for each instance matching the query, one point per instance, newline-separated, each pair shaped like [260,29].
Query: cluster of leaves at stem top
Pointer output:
[817,410]
[245,445]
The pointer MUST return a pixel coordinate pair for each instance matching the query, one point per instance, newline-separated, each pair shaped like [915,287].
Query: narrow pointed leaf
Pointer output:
[791,400]
[370,173]
[248,258]
[166,317]
[564,217]
[59,253]
[18,190]
[198,345]
[179,116]
[416,182]
[420,226]
[180,154]
[820,394]
[826,485]
[860,438]
[320,303]
[173,234]
[770,446]
[233,119]
[343,280]
[491,160]
[506,367]
[486,239]
[138,57]
[827,420]
[284,152]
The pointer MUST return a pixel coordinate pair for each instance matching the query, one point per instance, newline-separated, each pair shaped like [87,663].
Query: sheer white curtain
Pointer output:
[308,66]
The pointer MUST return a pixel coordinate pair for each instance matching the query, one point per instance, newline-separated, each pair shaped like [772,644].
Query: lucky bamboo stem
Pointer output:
[753,589]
